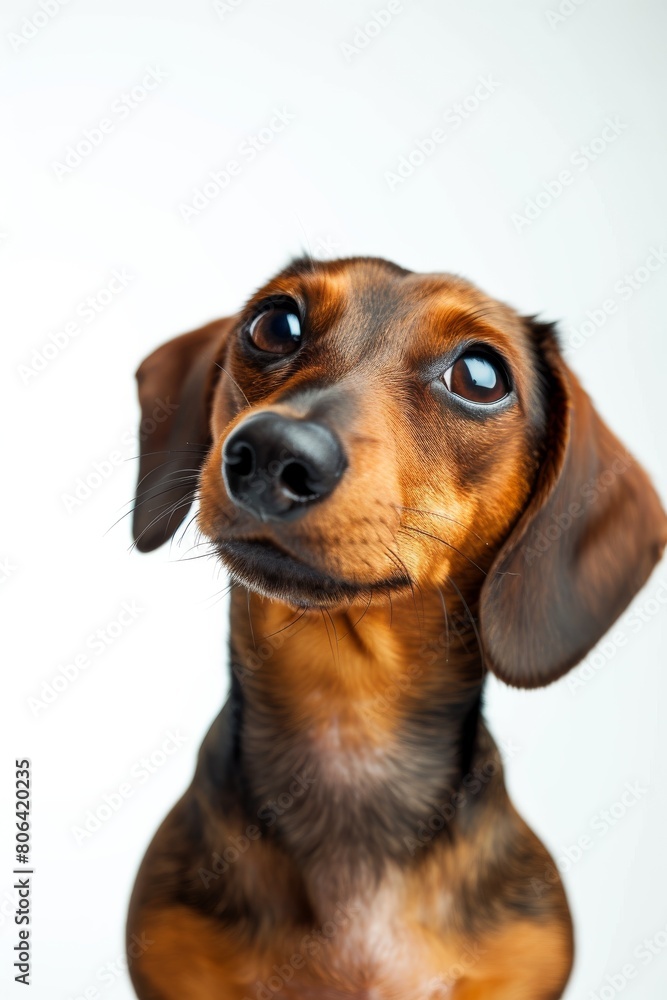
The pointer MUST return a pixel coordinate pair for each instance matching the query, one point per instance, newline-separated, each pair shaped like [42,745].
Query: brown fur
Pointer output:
[347,833]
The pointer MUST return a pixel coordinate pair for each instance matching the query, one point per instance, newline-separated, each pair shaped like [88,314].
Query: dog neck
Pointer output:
[355,726]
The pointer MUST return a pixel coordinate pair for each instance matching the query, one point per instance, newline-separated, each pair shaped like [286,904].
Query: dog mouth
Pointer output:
[265,567]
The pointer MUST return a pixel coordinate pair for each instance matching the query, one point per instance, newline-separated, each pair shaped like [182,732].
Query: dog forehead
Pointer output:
[373,304]
[375,286]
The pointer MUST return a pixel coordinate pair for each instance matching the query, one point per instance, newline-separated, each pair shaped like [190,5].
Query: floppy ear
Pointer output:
[175,388]
[587,542]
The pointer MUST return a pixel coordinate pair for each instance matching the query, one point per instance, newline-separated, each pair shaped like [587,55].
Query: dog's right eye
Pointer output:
[478,377]
[277,330]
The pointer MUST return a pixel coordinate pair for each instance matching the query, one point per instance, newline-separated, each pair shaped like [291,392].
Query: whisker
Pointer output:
[284,627]
[195,449]
[169,513]
[146,499]
[326,628]
[444,608]
[184,531]
[178,471]
[411,583]
[234,382]
[198,544]
[173,478]
[396,561]
[252,631]
[446,517]
[473,623]
[449,545]
[353,627]
[333,625]
[220,596]
[202,555]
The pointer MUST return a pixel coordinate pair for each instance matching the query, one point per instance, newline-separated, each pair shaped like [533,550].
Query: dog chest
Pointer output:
[372,948]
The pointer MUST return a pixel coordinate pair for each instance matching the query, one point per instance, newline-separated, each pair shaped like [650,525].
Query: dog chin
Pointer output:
[264,568]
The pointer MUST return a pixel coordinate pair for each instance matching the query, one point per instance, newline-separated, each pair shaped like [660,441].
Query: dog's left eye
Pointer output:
[478,377]
[277,330]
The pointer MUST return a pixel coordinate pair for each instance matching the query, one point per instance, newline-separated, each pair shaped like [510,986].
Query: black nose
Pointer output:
[275,466]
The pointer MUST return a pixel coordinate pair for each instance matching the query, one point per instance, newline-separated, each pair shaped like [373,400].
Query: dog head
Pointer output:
[359,430]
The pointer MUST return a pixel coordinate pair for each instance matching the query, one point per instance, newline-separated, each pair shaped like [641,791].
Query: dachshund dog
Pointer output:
[409,488]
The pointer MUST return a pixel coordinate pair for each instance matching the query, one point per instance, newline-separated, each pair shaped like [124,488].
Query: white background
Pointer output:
[319,186]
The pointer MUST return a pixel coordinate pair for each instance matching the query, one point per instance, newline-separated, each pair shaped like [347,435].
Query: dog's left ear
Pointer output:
[175,385]
[587,542]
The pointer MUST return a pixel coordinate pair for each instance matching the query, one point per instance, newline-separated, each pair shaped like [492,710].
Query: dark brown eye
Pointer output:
[277,330]
[477,377]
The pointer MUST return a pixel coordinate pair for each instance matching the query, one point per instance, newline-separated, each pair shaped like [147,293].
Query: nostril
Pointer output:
[297,478]
[242,458]
[274,466]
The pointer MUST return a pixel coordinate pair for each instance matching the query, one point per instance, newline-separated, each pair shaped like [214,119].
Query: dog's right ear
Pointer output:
[587,541]
[176,385]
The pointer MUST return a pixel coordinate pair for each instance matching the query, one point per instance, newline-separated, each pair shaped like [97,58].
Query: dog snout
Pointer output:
[275,466]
